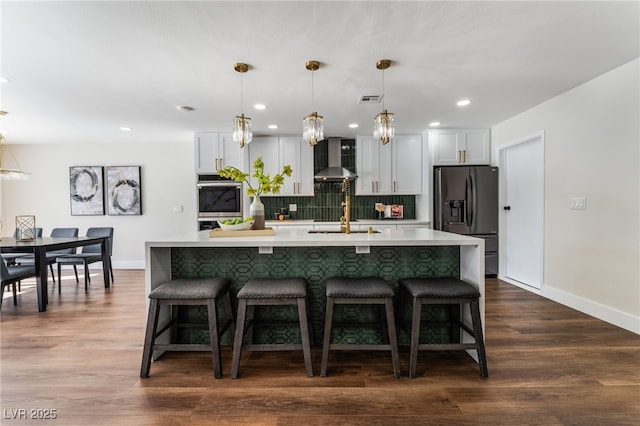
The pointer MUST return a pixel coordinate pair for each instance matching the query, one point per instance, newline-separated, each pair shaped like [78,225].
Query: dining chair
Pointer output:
[89,254]
[11,275]
[52,255]
[10,258]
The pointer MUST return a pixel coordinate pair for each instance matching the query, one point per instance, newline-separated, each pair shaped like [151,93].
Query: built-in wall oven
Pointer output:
[218,197]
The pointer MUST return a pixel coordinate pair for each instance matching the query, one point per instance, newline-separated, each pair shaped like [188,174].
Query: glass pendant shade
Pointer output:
[312,124]
[242,130]
[242,134]
[383,130]
[312,129]
[9,174]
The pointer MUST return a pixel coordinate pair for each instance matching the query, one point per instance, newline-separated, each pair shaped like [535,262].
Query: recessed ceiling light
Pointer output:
[463,102]
[353,125]
[4,79]
[434,124]
[260,106]
[273,126]
[185,108]
[126,129]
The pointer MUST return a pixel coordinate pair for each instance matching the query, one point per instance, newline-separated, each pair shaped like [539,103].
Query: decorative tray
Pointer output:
[218,233]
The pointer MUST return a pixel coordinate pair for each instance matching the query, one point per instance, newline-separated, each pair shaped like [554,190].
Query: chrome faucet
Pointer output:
[345,220]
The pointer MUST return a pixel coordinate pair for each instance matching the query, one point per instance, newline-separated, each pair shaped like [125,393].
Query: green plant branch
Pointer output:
[266,184]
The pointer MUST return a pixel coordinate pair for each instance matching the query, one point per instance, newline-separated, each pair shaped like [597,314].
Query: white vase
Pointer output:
[256,211]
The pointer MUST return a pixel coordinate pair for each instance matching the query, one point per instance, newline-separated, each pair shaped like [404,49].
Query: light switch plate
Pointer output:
[578,203]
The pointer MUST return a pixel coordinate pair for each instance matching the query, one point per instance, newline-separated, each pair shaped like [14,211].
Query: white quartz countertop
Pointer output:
[296,237]
[363,222]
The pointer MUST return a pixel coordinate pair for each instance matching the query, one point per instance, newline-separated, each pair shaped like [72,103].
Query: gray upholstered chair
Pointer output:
[10,258]
[11,275]
[89,254]
[52,255]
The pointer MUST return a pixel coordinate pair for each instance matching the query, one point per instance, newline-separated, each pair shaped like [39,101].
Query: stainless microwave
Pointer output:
[218,197]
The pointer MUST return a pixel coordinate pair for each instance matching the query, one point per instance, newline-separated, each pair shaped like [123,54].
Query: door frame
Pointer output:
[500,155]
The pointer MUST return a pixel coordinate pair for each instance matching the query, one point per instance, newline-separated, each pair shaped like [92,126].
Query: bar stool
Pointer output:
[271,291]
[440,291]
[194,291]
[360,291]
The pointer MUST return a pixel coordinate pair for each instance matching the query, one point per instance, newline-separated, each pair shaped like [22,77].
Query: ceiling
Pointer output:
[79,71]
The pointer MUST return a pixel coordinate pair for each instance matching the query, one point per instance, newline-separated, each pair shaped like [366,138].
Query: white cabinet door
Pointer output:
[445,146]
[477,147]
[206,150]
[407,164]
[451,147]
[230,152]
[299,156]
[215,151]
[373,163]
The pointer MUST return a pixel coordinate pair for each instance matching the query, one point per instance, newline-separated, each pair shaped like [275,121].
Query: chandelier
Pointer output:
[383,130]
[312,127]
[241,124]
[9,174]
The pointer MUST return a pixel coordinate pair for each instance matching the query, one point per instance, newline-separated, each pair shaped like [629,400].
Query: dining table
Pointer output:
[40,246]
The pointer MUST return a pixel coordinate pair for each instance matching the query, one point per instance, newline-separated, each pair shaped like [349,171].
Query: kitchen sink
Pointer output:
[325,231]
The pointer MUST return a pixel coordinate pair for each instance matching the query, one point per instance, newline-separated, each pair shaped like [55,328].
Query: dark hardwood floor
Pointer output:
[548,365]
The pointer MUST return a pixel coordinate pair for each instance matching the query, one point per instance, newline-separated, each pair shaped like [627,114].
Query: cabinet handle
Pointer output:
[459,157]
[465,155]
[394,186]
[373,186]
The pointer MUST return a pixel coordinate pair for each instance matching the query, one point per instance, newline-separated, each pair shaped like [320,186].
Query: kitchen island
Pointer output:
[390,253]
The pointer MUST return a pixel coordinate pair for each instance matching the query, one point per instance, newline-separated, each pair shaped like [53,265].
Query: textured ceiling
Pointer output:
[81,70]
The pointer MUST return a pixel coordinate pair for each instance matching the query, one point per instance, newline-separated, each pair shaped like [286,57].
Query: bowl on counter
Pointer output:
[239,227]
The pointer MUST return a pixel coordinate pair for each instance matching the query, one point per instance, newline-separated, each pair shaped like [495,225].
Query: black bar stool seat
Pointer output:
[360,291]
[271,291]
[444,291]
[188,291]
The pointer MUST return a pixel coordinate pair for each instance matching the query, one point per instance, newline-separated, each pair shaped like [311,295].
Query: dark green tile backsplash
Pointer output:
[325,205]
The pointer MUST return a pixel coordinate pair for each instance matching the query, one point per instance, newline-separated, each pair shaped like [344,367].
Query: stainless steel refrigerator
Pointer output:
[466,202]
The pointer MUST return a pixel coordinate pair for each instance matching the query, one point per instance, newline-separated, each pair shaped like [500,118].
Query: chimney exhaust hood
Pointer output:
[335,171]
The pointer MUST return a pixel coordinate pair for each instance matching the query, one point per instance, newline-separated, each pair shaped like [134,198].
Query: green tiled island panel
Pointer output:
[316,264]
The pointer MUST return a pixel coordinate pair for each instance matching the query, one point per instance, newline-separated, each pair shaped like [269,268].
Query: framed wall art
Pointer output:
[124,193]
[86,190]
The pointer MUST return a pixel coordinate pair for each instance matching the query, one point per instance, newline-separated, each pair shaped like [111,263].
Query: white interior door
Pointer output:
[523,211]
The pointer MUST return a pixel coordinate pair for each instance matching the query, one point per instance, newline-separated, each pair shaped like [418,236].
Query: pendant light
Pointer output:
[312,127]
[383,130]
[9,174]
[241,124]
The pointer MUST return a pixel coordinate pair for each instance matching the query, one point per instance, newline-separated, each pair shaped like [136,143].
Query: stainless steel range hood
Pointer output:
[335,171]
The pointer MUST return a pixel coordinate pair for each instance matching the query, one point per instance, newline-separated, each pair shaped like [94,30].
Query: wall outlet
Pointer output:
[293,207]
[177,209]
[578,203]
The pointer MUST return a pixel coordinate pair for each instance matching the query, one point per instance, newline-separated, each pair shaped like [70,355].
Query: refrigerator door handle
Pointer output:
[472,203]
[437,207]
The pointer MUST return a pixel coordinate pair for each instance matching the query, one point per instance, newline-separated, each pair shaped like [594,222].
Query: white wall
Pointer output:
[167,176]
[592,149]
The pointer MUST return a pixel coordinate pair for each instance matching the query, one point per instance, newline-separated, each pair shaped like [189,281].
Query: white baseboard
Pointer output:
[605,313]
[120,264]
[602,312]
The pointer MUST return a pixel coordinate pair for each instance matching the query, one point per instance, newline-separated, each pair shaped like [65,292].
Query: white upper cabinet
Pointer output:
[215,151]
[394,168]
[460,146]
[278,151]
[299,155]
[407,165]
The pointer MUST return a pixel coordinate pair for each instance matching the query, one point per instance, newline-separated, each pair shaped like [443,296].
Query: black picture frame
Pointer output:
[86,190]
[124,191]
